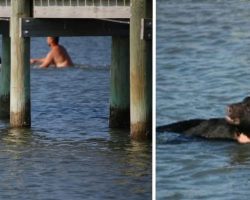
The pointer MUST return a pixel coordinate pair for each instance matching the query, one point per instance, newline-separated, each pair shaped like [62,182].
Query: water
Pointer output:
[203,64]
[70,152]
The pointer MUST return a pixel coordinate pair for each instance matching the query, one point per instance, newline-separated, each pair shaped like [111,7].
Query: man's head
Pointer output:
[52,41]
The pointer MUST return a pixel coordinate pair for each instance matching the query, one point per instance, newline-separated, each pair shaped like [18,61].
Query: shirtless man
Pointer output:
[58,56]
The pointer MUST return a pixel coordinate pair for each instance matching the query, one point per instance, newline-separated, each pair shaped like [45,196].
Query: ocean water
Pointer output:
[70,152]
[203,64]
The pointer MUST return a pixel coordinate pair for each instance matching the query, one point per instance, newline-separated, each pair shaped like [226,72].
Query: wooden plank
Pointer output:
[73,27]
[4,27]
[82,12]
[75,11]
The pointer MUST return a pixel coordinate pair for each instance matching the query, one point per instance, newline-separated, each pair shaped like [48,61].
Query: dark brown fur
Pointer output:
[237,121]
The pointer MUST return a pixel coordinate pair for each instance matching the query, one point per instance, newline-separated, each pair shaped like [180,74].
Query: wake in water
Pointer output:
[78,66]
[171,138]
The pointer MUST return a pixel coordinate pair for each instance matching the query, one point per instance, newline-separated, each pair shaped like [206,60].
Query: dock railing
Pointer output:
[74,8]
[4,8]
[81,2]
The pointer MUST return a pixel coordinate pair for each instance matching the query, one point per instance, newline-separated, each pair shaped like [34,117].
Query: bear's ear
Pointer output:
[247,100]
[246,103]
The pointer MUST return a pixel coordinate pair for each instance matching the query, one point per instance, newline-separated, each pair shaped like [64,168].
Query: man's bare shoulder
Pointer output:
[58,49]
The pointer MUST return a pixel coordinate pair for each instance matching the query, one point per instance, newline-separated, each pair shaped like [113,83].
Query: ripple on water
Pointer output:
[202,65]
[70,152]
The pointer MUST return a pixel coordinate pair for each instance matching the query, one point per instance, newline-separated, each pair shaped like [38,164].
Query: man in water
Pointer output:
[58,56]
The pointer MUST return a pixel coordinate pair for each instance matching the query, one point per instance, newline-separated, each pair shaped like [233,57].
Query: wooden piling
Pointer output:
[20,66]
[119,101]
[140,72]
[5,78]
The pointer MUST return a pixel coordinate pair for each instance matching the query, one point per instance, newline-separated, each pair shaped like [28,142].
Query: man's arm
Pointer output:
[47,61]
[36,60]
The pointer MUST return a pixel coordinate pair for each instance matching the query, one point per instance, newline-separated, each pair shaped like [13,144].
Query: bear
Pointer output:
[234,126]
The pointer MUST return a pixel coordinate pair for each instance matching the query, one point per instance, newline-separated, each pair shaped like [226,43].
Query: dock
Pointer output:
[128,22]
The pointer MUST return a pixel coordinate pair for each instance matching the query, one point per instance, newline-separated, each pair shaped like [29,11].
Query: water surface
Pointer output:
[203,64]
[70,152]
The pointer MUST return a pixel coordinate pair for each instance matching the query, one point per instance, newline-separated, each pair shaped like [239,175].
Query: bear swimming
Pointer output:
[236,122]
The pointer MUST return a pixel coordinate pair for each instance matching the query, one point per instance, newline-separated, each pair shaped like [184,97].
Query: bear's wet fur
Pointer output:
[237,121]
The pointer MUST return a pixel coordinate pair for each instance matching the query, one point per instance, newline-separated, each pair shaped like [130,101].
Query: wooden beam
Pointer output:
[20,66]
[73,27]
[119,97]
[5,78]
[146,29]
[4,27]
[140,72]
[82,12]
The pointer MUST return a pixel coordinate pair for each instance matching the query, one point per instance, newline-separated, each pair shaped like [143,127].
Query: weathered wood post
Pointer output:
[119,101]
[5,78]
[20,66]
[140,72]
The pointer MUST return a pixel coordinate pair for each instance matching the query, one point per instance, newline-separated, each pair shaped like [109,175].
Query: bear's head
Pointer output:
[238,114]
